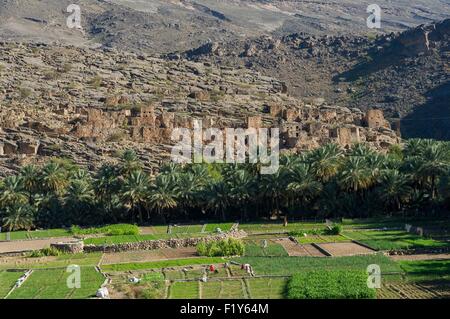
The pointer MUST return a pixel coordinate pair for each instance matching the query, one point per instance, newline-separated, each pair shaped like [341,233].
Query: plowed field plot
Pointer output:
[148,255]
[52,284]
[294,249]
[318,239]
[7,280]
[410,291]
[346,249]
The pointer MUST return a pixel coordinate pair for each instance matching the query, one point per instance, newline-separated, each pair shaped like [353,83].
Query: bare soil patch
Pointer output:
[151,255]
[346,249]
[27,245]
[294,249]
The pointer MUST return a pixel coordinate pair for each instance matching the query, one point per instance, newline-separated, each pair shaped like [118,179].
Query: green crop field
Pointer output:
[255,288]
[184,290]
[427,270]
[7,280]
[254,248]
[52,284]
[123,239]
[375,223]
[226,289]
[164,264]
[256,228]
[292,265]
[393,239]
[267,288]
[36,234]
[186,229]
[91,259]
[330,284]
[210,228]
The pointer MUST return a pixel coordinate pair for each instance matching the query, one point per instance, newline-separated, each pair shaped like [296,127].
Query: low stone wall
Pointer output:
[419,251]
[69,247]
[163,243]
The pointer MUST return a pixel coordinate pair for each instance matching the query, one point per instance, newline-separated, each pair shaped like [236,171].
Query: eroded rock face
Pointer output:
[414,42]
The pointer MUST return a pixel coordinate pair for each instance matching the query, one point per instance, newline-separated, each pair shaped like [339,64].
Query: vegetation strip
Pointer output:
[163,264]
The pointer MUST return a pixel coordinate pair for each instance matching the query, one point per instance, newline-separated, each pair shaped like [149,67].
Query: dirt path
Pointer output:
[421,257]
[294,249]
[27,245]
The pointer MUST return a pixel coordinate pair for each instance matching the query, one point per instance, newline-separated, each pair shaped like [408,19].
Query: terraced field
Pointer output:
[22,263]
[7,280]
[258,228]
[52,284]
[257,248]
[403,290]
[318,239]
[393,239]
[255,288]
[37,234]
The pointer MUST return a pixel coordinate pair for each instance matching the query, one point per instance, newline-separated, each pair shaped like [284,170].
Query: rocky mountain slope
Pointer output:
[406,74]
[318,48]
[162,26]
[89,104]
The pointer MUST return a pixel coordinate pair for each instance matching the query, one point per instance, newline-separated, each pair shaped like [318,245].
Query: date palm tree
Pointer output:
[134,192]
[30,180]
[217,198]
[106,187]
[79,200]
[355,175]
[326,161]
[162,195]
[54,179]
[241,185]
[18,216]
[129,163]
[394,189]
[302,186]
[12,191]
[435,162]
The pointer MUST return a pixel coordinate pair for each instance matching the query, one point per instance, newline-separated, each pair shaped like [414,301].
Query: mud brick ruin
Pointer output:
[108,101]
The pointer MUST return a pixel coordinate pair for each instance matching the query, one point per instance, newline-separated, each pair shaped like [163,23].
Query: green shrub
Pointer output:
[330,284]
[335,230]
[221,248]
[301,232]
[121,229]
[45,252]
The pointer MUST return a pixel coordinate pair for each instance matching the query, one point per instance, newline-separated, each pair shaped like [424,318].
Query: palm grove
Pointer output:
[327,182]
